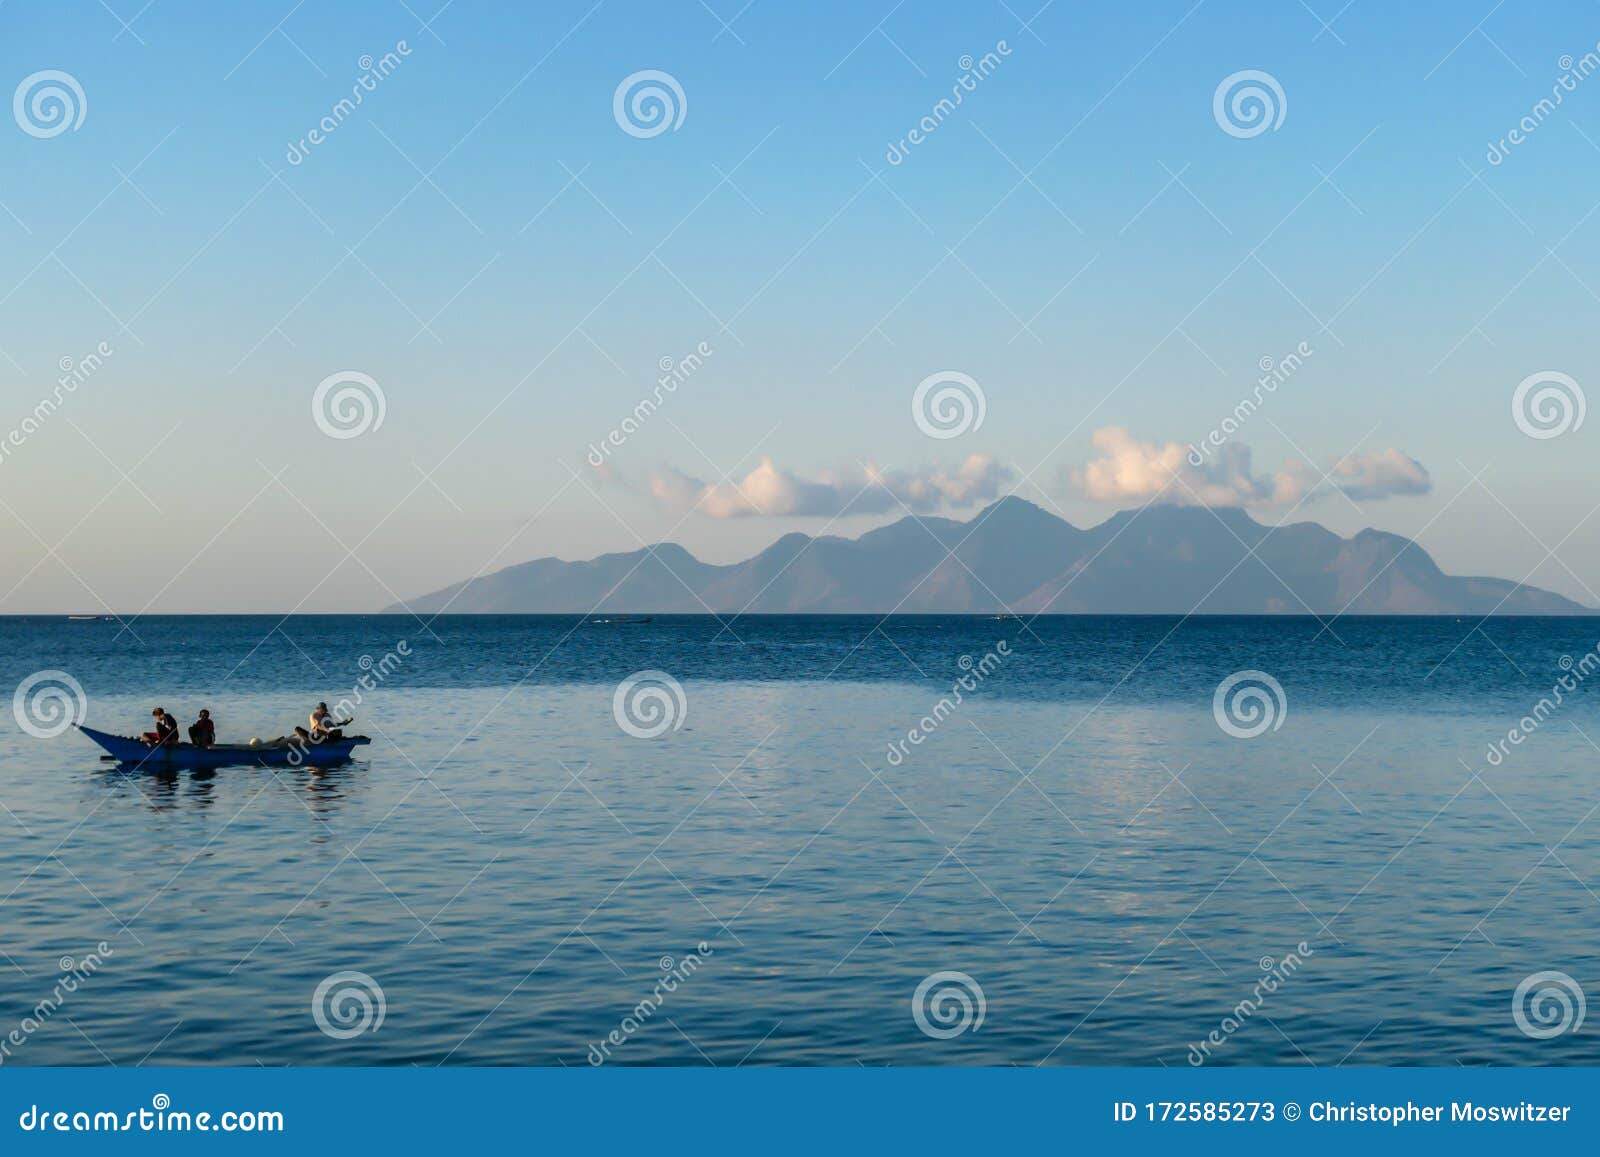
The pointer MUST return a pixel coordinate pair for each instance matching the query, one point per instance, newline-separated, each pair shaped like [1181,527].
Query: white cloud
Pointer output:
[772,491]
[1380,474]
[1129,470]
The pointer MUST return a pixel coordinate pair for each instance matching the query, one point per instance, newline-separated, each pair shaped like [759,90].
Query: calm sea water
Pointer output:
[1113,872]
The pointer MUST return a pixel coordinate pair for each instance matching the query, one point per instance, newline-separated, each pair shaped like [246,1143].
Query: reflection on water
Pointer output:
[163,788]
[1109,879]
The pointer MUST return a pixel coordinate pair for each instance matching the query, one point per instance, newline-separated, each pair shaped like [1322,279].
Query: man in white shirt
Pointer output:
[324,725]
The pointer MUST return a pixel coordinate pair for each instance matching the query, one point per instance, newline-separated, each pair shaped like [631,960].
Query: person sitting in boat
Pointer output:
[166,732]
[325,726]
[203,732]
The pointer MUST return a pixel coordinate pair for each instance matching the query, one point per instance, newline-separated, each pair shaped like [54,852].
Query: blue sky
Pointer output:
[484,241]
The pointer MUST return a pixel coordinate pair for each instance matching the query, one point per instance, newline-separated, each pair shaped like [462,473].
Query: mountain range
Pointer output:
[1015,557]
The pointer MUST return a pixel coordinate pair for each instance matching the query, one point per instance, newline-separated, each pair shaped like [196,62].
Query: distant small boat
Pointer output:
[137,753]
[83,618]
[623,620]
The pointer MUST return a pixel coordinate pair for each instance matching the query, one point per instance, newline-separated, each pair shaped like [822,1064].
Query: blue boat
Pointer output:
[289,752]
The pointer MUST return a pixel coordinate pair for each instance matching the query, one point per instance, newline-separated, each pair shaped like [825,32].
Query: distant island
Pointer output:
[1014,557]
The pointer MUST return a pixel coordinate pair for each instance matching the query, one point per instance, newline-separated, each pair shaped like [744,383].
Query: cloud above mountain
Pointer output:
[1126,469]
[1380,474]
[773,491]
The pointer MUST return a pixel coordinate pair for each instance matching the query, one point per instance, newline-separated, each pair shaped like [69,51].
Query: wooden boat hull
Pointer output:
[136,753]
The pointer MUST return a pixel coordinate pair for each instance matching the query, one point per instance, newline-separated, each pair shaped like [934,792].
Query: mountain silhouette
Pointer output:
[1014,557]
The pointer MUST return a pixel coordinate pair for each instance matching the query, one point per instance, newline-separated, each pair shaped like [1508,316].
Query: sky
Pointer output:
[325,369]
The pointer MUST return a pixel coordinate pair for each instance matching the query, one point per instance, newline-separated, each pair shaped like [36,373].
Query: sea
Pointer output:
[808,840]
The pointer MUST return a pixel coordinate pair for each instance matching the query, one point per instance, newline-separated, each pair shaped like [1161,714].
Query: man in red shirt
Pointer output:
[203,732]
